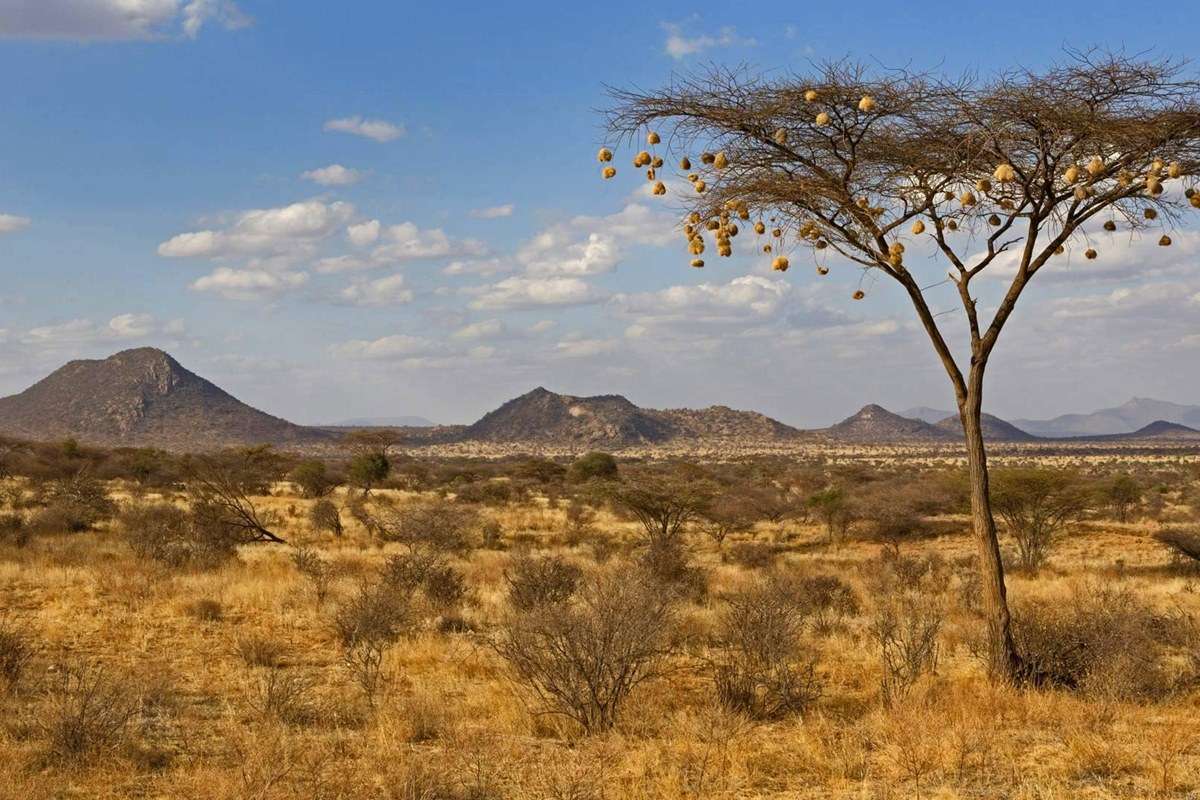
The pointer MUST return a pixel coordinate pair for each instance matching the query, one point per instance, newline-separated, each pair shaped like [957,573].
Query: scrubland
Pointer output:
[514,629]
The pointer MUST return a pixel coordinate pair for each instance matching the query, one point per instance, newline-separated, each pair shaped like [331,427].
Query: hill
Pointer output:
[875,423]
[1127,418]
[142,397]
[545,417]
[994,429]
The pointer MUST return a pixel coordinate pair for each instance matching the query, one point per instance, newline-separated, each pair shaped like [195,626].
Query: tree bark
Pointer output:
[1003,659]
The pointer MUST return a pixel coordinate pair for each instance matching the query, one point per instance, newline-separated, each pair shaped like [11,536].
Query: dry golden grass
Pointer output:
[239,690]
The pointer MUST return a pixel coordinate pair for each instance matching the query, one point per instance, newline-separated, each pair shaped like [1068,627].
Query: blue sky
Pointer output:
[378,209]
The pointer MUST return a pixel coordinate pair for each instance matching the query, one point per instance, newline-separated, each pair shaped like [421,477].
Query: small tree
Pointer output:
[1002,172]
[662,506]
[1122,494]
[1037,505]
[593,466]
[312,476]
[368,469]
[220,488]
[730,513]
[832,508]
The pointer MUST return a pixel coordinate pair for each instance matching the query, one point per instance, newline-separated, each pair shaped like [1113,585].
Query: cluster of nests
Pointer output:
[1001,189]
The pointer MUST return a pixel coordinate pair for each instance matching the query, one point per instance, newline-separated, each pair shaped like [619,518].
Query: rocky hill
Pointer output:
[545,417]
[142,397]
[994,429]
[875,423]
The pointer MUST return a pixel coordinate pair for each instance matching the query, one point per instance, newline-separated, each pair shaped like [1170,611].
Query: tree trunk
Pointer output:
[1004,661]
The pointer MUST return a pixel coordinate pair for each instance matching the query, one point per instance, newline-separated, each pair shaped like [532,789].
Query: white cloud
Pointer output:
[486,329]
[485,267]
[293,229]
[115,20]
[11,223]
[407,242]
[679,45]
[387,348]
[375,129]
[1151,300]
[249,284]
[364,233]
[333,175]
[493,212]
[389,291]
[122,327]
[588,245]
[520,292]
[343,263]
[585,348]
[745,297]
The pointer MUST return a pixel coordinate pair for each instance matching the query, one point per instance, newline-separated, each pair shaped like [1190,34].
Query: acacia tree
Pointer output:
[857,163]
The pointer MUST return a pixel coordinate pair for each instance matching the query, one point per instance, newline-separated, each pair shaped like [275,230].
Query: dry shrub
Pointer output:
[89,714]
[368,624]
[1103,642]
[534,582]
[826,599]
[669,564]
[316,570]
[16,653]
[177,538]
[760,668]
[579,523]
[75,504]
[905,627]
[582,658]
[13,530]
[258,650]
[429,525]
[206,610]
[325,517]
[753,555]
[1184,545]
[286,696]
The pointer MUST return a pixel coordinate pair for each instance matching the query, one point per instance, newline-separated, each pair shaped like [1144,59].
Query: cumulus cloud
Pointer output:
[485,329]
[744,297]
[479,266]
[290,229]
[389,291]
[364,233]
[680,45]
[591,245]
[333,175]
[78,332]
[115,20]
[249,284]
[493,212]
[11,223]
[407,242]
[523,292]
[399,346]
[375,129]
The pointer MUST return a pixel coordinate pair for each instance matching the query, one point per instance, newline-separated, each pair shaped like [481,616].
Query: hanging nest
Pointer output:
[733,230]
[767,248]
[1156,166]
[859,295]
[780,264]
[608,172]
[1150,213]
[693,177]
[1154,186]
[685,163]
[694,217]
[720,160]
[642,159]
[725,251]
[820,244]
[811,96]
[918,227]
[1072,174]
[896,260]
[822,118]
[707,158]
[822,270]
[896,249]
[1090,254]
[700,187]
[698,263]
[604,156]
[866,104]
[968,198]
[1007,205]
[1110,226]
[952,224]
[1083,193]
[657,162]
[660,188]
[1174,170]
[1058,251]
[777,232]
[652,138]
[780,136]
[760,228]
[1005,173]
[1095,166]
[983,185]
[1124,178]
[1165,241]
[948,195]
[993,220]
[651,174]
[1195,200]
